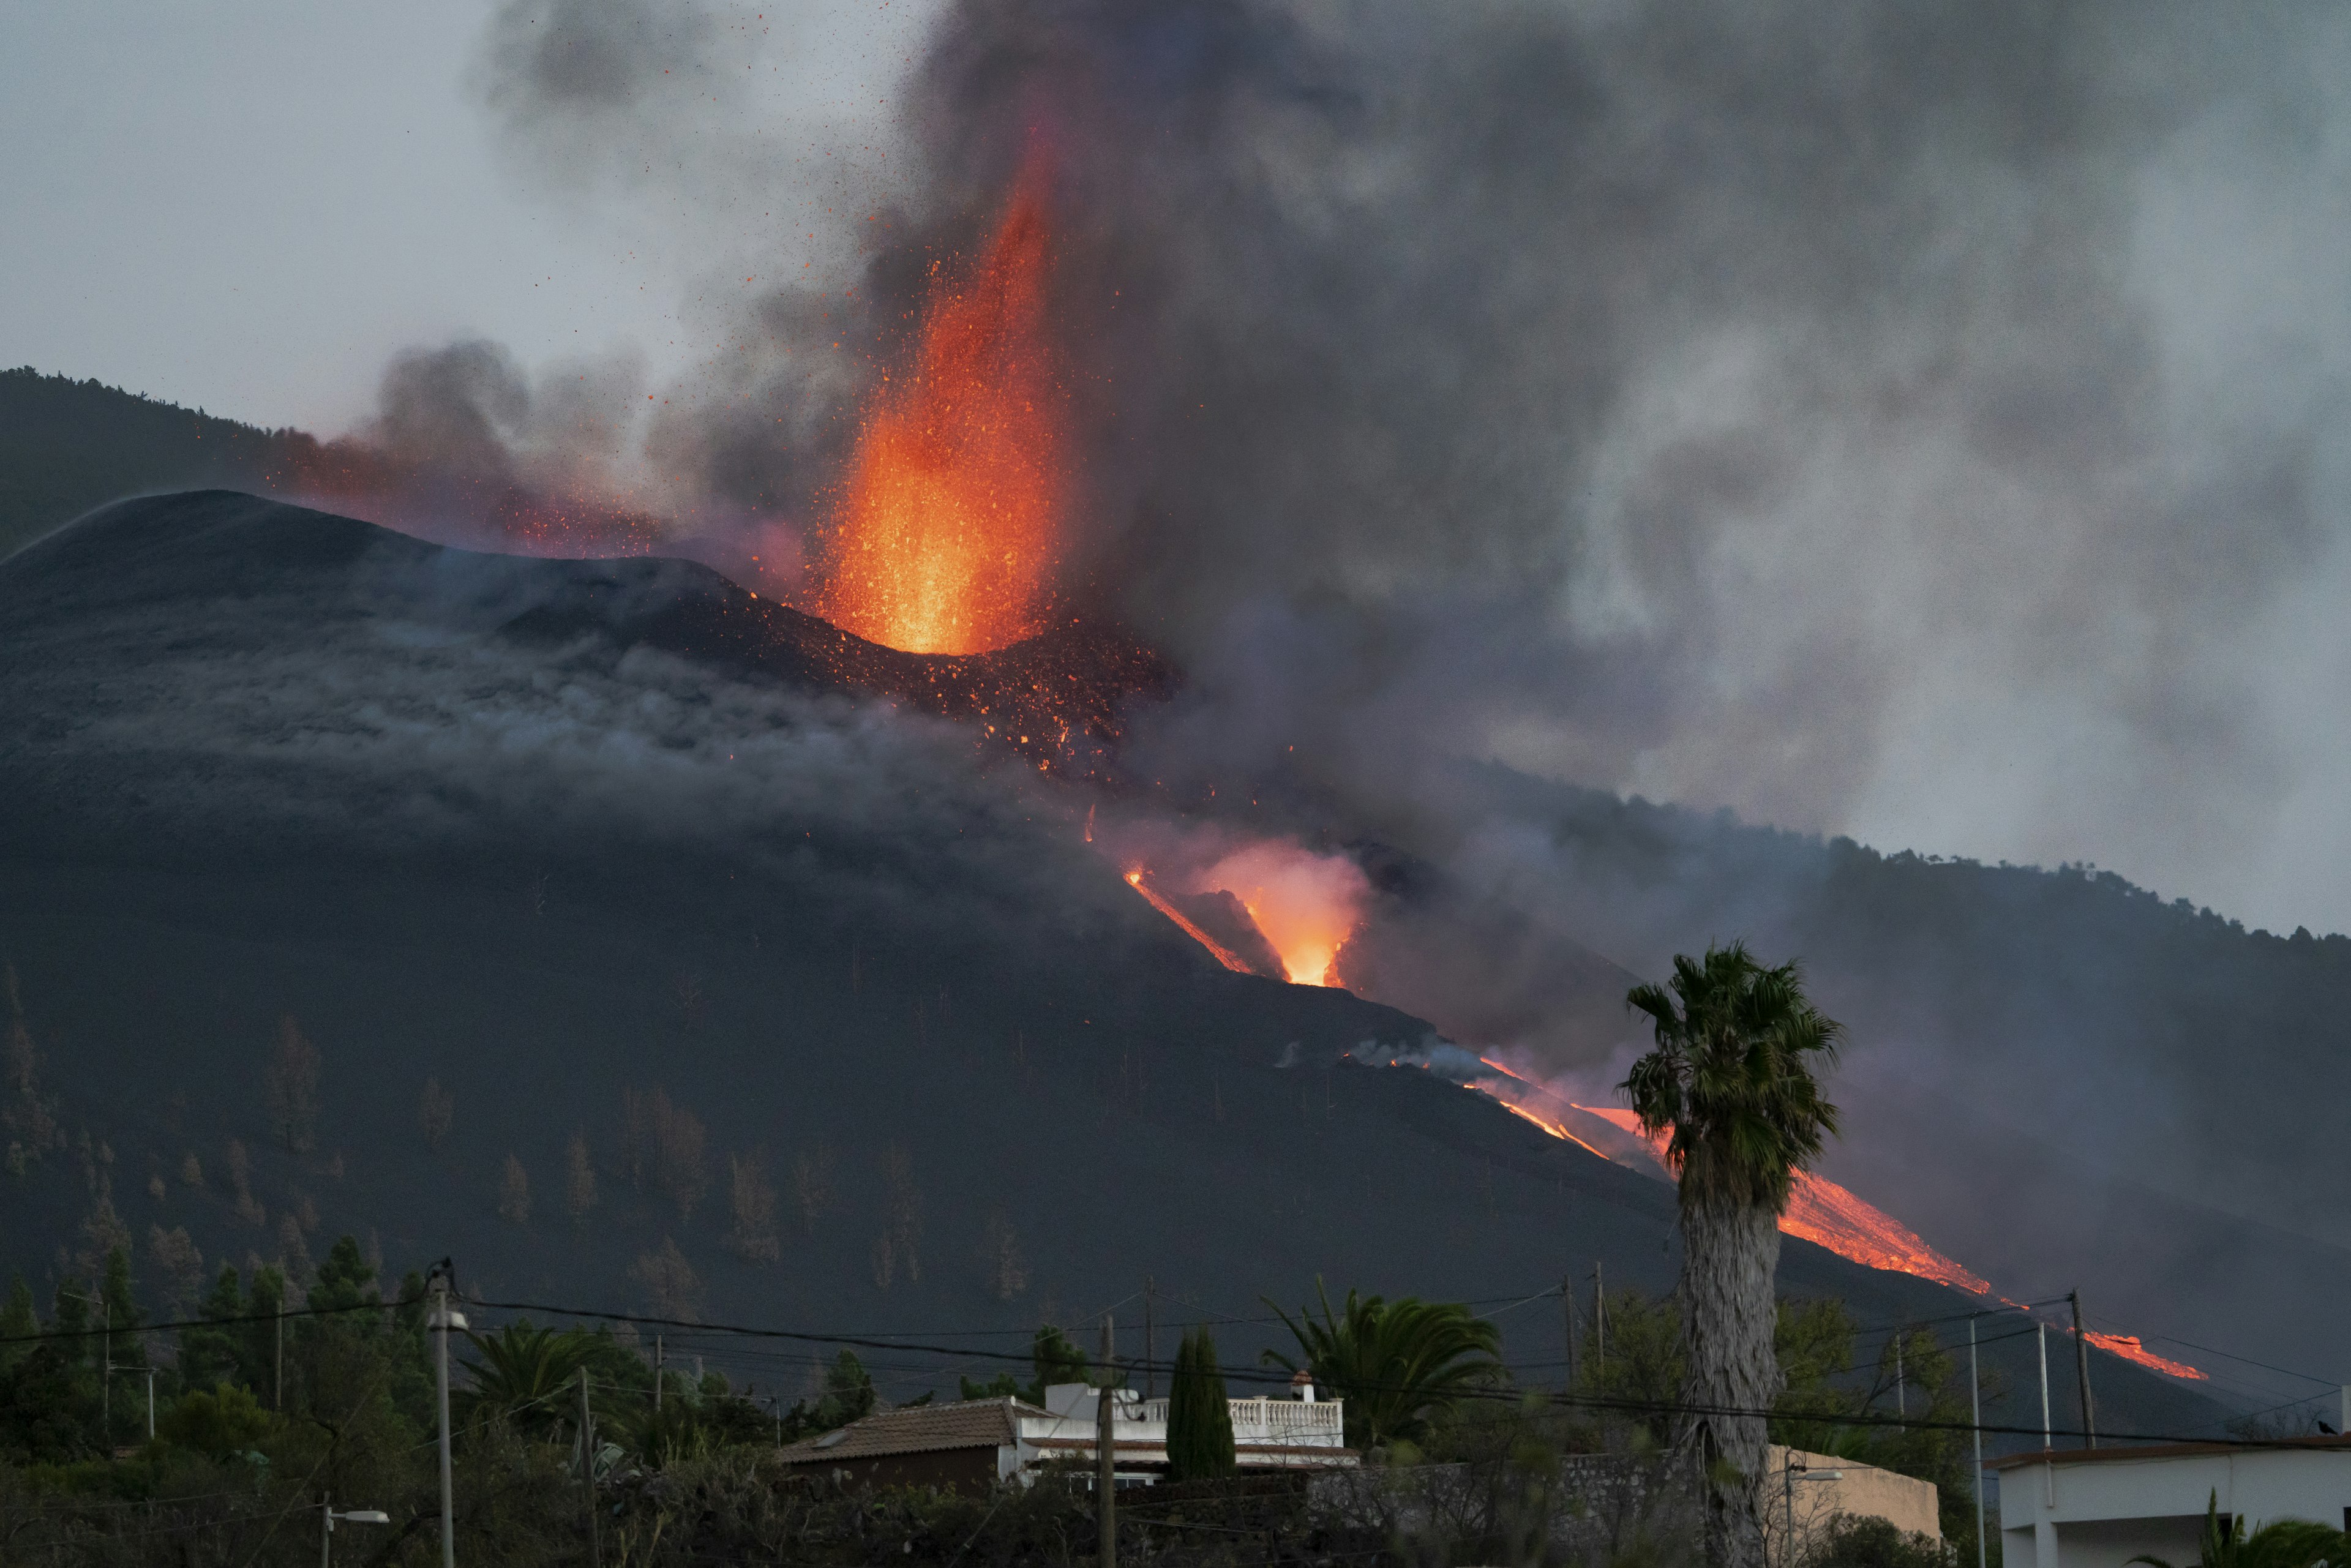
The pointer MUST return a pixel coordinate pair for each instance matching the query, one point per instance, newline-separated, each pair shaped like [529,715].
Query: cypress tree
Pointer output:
[1199,1421]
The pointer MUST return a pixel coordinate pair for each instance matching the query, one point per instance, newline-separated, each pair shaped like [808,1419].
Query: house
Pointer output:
[1303,1433]
[968,1446]
[1804,1492]
[2098,1508]
[973,1443]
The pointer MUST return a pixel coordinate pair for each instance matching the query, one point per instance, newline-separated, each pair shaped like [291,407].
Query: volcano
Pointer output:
[547,839]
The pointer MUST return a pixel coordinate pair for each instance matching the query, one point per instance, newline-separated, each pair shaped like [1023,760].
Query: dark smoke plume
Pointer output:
[1847,416]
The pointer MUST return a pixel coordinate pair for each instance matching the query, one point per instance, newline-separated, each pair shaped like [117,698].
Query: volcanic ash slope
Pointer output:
[847,1015]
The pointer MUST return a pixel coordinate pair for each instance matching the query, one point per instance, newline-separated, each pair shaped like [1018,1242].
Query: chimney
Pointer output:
[1302,1385]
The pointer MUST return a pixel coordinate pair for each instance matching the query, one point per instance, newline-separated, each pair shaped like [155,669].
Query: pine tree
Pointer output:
[293,1085]
[209,1356]
[513,1193]
[578,1180]
[1199,1419]
[436,1113]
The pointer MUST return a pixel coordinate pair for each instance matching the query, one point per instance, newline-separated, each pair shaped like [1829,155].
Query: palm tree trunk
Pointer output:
[1730,1253]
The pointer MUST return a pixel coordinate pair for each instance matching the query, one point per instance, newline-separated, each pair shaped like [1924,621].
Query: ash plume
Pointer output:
[1855,419]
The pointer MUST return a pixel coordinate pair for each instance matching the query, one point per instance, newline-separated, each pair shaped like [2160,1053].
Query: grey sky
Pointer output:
[1947,449]
[250,206]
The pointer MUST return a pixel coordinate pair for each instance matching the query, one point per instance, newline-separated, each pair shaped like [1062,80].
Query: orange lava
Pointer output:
[1307,904]
[1822,1212]
[949,532]
[2128,1347]
[1547,1125]
[1222,954]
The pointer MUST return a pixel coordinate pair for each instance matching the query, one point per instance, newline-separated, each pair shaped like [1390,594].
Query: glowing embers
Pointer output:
[949,531]
[1272,909]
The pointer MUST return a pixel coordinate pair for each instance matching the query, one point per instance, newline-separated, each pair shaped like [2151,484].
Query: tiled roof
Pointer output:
[917,1429]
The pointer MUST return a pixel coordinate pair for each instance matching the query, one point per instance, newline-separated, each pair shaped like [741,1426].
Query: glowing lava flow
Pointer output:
[2128,1347]
[1307,904]
[1822,1212]
[1222,954]
[949,534]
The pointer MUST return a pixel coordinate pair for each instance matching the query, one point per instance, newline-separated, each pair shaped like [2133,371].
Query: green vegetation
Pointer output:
[1731,1082]
[1398,1365]
[245,1440]
[2280,1544]
[1199,1417]
[1055,1357]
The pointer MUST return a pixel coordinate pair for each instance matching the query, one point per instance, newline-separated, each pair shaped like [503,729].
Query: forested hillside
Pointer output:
[68,445]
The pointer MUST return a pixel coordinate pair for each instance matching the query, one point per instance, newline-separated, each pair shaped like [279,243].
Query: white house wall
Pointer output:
[2102,1514]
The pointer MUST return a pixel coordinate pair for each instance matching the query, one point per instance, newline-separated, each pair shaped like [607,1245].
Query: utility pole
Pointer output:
[150,1403]
[1901,1383]
[2081,1369]
[588,1474]
[1106,1458]
[2042,1332]
[444,1318]
[1567,1312]
[1975,1414]
[277,1376]
[1599,1324]
[657,1374]
[1150,1371]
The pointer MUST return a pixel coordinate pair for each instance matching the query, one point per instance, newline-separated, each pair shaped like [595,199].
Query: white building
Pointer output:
[2098,1508]
[1268,1433]
[974,1443]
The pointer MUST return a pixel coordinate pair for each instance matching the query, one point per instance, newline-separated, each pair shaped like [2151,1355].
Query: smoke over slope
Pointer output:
[1862,420]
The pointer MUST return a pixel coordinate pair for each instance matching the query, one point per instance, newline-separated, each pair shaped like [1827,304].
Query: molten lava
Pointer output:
[1821,1211]
[1307,904]
[1222,954]
[949,531]
[2128,1347]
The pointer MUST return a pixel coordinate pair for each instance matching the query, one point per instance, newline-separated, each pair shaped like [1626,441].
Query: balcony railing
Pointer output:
[1272,1420]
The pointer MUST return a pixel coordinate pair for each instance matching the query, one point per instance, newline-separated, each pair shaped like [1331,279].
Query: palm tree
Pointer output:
[1395,1363]
[1731,1082]
[2281,1544]
[526,1375]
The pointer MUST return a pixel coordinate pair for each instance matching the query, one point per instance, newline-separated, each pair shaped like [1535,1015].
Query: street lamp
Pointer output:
[1791,1472]
[327,1517]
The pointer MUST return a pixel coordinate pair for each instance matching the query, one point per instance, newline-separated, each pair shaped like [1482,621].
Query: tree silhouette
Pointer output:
[436,1113]
[1730,1085]
[579,1179]
[1199,1417]
[513,1193]
[293,1086]
[753,1199]
[1397,1364]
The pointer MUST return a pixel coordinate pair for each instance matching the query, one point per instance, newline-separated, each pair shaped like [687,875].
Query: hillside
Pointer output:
[925,1065]
[67,446]
[2062,1079]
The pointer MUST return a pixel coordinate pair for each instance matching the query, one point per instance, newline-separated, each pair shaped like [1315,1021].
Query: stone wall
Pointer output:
[1588,1509]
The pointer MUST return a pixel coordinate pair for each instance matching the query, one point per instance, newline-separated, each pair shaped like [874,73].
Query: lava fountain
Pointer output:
[949,535]
[1307,904]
